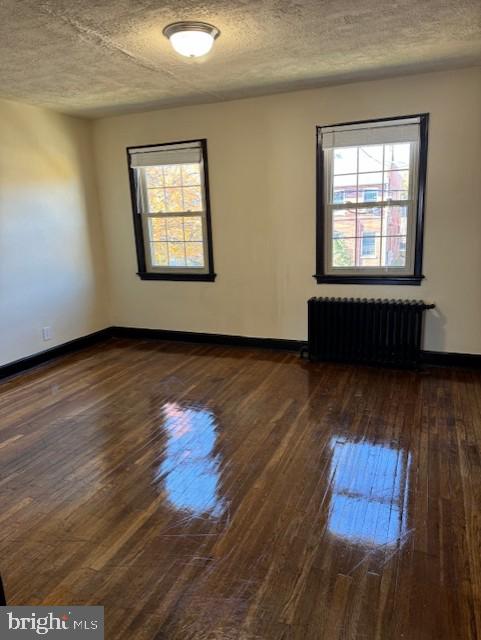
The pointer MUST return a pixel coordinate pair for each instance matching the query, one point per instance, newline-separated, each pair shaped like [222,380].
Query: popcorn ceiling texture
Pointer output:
[94,58]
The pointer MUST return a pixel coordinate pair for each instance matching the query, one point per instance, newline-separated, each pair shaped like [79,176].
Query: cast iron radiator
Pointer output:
[360,330]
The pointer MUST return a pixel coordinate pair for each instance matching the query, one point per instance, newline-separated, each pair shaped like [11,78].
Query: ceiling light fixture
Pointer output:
[191,39]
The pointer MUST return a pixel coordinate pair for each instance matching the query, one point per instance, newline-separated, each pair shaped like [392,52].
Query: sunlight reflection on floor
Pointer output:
[370,487]
[189,471]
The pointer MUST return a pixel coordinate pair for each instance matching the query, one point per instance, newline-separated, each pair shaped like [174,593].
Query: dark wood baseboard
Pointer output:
[432,358]
[446,359]
[28,362]
[207,338]
[438,358]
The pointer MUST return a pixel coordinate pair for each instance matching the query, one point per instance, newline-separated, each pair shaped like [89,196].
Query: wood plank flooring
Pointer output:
[202,492]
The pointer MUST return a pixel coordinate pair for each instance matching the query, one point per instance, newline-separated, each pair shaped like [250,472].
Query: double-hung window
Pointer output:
[371,184]
[170,200]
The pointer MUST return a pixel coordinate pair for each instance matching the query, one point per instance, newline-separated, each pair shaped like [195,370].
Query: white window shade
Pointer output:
[393,131]
[156,157]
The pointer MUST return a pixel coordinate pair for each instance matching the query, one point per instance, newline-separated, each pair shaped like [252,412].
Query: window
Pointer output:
[370,195]
[368,246]
[371,183]
[170,200]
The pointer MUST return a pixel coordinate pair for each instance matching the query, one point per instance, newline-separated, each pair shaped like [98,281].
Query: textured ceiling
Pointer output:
[93,57]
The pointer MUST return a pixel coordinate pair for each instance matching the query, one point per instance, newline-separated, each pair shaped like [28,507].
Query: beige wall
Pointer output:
[50,238]
[262,174]
[262,166]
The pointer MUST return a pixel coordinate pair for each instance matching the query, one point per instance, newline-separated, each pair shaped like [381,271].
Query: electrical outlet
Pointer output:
[47,333]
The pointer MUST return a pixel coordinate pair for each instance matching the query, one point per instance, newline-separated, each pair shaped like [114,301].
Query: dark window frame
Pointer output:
[417,276]
[142,272]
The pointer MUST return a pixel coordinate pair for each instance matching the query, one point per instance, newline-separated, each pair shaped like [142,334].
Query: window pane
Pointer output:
[370,158]
[154,176]
[396,185]
[344,223]
[177,254]
[393,251]
[173,200]
[192,199]
[369,222]
[158,229]
[193,228]
[191,174]
[395,221]
[345,160]
[194,253]
[156,200]
[343,252]
[370,187]
[158,253]
[175,229]
[172,175]
[344,189]
[396,156]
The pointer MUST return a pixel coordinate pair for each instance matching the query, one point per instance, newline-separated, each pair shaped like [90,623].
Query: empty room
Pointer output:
[240,319]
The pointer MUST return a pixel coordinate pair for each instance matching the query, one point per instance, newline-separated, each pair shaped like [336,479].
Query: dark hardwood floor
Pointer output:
[201,492]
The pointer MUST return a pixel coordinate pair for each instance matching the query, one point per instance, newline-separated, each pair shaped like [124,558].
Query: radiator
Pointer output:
[373,331]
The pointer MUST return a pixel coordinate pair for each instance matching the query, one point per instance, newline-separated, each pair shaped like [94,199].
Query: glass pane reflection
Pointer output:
[189,472]
[370,490]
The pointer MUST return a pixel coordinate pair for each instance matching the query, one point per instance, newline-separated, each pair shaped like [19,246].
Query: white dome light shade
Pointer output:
[192,44]
[191,39]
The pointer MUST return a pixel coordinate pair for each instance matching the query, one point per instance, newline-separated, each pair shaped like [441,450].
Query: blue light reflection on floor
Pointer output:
[369,492]
[189,472]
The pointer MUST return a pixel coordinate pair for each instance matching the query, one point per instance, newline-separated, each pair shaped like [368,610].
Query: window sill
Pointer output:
[179,277]
[360,279]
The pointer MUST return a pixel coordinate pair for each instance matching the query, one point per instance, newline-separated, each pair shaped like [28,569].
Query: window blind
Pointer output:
[405,130]
[156,157]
